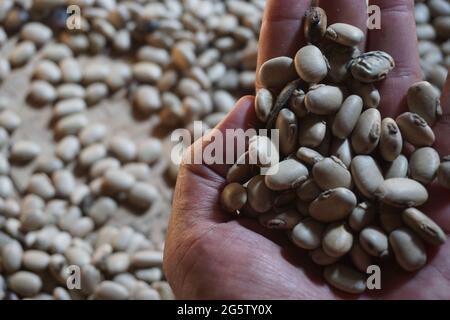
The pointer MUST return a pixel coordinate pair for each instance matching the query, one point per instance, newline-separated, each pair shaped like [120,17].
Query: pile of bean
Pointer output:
[188,60]
[342,186]
[433,32]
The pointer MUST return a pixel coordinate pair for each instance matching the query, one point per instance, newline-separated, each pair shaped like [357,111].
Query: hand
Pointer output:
[210,255]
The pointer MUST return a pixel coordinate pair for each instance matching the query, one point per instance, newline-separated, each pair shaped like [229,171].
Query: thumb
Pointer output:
[242,116]
[198,185]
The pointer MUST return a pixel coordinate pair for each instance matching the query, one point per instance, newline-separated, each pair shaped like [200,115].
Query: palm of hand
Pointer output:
[210,255]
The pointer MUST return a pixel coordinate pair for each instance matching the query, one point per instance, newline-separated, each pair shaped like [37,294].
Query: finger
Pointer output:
[353,12]
[397,37]
[219,149]
[281,29]
[438,207]
[442,127]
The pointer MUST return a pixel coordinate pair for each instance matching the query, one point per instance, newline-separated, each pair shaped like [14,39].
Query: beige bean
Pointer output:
[321,258]
[117,263]
[11,253]
[360,258]
[95,92]
[324,99]
[68,148]
[139,170]
[391,142]
[297,103]
[92,133]
[366,175]
[77,256]
[307,234]
[424,227]
[90,279]
[286,220]
[443,173]
[71,124]
[56,52]
[361,216]
[368,92]
[309,156]
[95,70]
[372,66]
[260,197]
[409,250]
[312,131]
[142,195]
[424,164]
[25,284]
[315,24]
[337,240]
[6,187]
[183,57]
[338,57]
[333,205]
[287,125]
[366,135]
[276,72]
[262,151]
[70,70]
[67,107]
[24,151]
[147,99]
[415,129]
[41,185]
[342,150]
[102,209]
[79,194]
[146,72]
[41,92]
[69,91]
[35,260]
[92,154]
[347,116]
[147,259]
[123,148]
[82,227]
[331,173]
[263,104]
[402,192]
[117,180]
[397,168]
[424,101]
[149,275]
[36,32]
[345,278]
[233,197]
[374,242]
[287,174]
[22,53]
[47,70]
[64,182]
[344,34]
[5,68]
[310,64]
[108,290]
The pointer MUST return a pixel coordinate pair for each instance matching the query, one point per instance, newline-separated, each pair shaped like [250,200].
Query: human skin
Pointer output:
[211,255]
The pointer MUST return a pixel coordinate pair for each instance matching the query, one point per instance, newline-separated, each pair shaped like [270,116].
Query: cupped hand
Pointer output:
[211,255]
